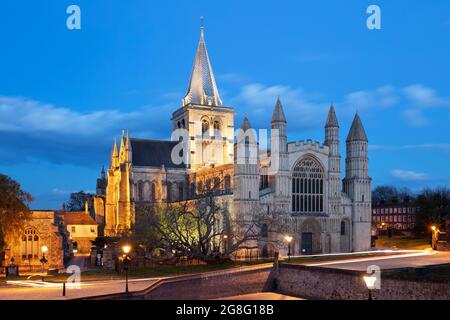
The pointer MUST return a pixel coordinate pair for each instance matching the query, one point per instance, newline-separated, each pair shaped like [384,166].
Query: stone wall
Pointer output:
[334,284]
[205,286]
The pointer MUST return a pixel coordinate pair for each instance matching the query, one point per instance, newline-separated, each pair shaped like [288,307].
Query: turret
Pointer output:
[279,169]
[246,169]
[114,156]
[357,184]
[334,163]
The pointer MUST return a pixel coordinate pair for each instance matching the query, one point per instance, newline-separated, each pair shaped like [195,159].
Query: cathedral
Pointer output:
[300,181]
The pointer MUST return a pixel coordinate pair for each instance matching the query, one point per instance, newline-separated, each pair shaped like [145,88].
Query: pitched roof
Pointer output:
[153,153]
[78,218]
[202,86]
[332,121]
[278,113]
[357,132]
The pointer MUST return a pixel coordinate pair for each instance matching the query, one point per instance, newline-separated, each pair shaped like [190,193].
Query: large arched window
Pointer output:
[30,244]
[307,186]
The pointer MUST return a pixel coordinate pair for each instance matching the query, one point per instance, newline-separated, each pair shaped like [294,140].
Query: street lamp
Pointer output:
[43,260]
[434,237]
[126,262]
[370,283]
[225,240]
[289,239]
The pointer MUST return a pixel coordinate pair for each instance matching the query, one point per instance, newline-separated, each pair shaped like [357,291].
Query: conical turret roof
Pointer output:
[357,132]
[332,121]
[278,113]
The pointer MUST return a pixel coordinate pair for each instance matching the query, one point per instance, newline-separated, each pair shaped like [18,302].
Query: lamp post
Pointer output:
[370,283]
[126,262]
[434,236]
[225,240]
[288,240]
[43,260]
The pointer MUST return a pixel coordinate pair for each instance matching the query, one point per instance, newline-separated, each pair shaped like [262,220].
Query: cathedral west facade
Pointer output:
[299,181]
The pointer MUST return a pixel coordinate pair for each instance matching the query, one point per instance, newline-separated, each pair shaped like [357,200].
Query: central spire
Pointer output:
[202,86]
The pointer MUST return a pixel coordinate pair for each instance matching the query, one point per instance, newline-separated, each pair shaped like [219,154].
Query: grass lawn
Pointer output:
[399,242]
[136,273]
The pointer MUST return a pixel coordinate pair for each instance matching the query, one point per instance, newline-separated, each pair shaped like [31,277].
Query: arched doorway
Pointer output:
[310,233]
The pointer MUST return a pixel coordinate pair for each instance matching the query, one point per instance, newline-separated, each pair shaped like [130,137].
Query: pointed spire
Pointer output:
[128,142]
[103,172]
[246,124]
[332,121]
[86,207]
[115,152]
[357,132]
[278,113]
[202,85]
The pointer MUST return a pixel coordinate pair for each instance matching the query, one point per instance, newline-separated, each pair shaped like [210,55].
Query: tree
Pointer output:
[433,205]
[202,228]
[385,195]
[391,195]
[78,200]
[14,209]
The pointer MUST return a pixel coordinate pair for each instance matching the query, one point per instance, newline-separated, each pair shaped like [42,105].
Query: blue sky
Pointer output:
[64,94]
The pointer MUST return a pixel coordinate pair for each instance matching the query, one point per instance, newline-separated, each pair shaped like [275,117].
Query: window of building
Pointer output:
[216,129]
[180,192]
[205,127]
[264,231]
[169,191]
[74,229]
[227,183]
[140,191]
[92,230]
[263,182]
[30,244]
[153,191]
[342,228]
[307,186]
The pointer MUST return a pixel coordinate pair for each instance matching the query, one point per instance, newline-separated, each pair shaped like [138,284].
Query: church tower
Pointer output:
[246,171]
[334,163]
[209,125]
[279,171]
[357,184]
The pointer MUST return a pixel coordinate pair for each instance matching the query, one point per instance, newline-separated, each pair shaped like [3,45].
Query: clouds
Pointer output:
[409,176]
[428,146]
[34,130]
[420,100]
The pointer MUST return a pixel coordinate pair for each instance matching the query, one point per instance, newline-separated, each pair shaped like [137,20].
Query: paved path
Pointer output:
[53,291]
[389,262]
[261,296]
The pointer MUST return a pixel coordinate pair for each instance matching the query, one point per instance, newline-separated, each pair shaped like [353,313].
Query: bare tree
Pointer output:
[204,229]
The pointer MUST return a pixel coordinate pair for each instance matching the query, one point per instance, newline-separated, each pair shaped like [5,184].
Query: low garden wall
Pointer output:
[336,284]
[209,285]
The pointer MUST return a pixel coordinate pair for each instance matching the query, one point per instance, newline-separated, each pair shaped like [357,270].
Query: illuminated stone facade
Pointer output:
[299,181]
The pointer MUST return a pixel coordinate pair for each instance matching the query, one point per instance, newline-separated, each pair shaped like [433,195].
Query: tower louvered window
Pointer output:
[308,186]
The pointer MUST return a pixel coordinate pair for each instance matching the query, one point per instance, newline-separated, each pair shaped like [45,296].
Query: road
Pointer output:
[261,296]
[53,291]
[389,262]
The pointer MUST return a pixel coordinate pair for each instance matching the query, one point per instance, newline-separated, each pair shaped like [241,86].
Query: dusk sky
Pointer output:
[65,95]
